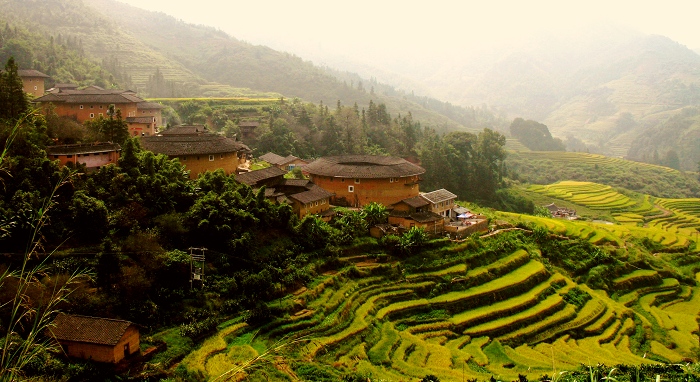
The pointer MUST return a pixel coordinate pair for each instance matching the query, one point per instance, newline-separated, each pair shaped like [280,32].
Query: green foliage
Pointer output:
[577,297]
[551,167]
[110,129]
[375,213]
[13,100]
[535,136]
[412,240]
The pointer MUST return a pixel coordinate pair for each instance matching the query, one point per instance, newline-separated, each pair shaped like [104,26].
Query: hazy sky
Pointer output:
[431,26]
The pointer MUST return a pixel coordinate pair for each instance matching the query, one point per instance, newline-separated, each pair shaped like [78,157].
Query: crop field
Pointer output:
[463,320]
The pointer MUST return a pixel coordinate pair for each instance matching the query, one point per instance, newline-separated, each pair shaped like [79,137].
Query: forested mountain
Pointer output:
[161,56]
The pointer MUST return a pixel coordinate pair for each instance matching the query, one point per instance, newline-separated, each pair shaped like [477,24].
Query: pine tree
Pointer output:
[13,100]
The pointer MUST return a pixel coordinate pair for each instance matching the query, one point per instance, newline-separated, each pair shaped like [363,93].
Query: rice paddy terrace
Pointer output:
[671,223]
[473,310]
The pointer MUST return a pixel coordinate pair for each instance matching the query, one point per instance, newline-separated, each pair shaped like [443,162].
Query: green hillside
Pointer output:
[550,167]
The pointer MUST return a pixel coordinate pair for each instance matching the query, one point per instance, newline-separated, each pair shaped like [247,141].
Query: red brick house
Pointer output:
[95,338]
[356,180]
[92,155]
[93,102]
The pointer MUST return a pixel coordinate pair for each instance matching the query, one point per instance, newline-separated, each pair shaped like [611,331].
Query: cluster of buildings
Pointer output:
[349,180]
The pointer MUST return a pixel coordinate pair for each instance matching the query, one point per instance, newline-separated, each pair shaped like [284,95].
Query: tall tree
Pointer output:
[13,100]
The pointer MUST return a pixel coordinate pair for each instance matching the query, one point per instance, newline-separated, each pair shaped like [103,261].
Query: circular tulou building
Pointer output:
[357,180]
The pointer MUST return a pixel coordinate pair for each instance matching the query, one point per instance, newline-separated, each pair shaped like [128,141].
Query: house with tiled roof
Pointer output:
[441,202]
[357,180]
[91,155]
[248,129]
[87,104]
[33,81]
[288,163]
[199,150]
[305,197]
[95,338]
[431,222]
[268,176]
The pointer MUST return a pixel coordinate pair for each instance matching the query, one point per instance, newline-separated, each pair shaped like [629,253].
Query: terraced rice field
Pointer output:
[591,195]
[668,222]
[502,319]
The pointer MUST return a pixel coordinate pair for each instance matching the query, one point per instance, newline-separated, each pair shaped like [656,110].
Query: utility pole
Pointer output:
[196,266]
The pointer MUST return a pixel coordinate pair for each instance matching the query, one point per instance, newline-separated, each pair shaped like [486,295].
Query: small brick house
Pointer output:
[92,155]
[95,338]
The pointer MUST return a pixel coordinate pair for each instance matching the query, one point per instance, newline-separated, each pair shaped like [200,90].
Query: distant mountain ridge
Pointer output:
[187,60]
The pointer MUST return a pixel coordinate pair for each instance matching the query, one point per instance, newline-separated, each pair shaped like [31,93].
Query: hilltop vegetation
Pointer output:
[550,167]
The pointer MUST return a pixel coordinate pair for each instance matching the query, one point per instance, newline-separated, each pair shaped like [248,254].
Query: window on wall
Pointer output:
[316,203]
[184,158]
[351,188]
[211,158]
[92,115]
[81,107]
[357,180]
[35,88]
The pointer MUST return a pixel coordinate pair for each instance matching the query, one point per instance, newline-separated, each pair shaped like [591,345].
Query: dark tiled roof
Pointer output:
[439,196]
[416,201]
[315,193]
[363,166]
[186,130]
[146,119]
[31,73]
[421,217]
[91,95]
[102,331]
[296,182]
[203,144]
[88,148]
[253,177]
[150,105]
[272,158]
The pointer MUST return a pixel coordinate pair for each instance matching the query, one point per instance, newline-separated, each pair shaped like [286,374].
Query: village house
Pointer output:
[357,180]
[33,81]
[199,150]
[441,202]
[305,197]
[92,155]
[93,102]
[248,129]
[561,212]
[94,338]
[287,163]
